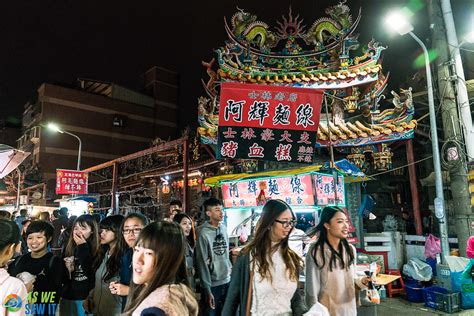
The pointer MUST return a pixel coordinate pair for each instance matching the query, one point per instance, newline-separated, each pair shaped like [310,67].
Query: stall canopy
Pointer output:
[10,159]
[85,198]
[352,173]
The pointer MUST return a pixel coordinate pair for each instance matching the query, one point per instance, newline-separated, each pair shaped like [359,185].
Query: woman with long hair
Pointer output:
[186,224]
[101,300]
[330,266]
[265,276]
[131,227]
[159,284]
[79,254]
[12,290]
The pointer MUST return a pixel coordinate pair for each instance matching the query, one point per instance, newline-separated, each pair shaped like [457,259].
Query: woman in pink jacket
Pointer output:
[470,247]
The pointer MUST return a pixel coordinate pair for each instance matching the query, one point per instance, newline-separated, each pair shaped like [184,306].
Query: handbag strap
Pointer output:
[250,291]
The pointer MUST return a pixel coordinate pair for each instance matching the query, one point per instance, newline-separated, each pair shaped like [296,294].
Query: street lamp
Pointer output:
[398,22]
[55,128]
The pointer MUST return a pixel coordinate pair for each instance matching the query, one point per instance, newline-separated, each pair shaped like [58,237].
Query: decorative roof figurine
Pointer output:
[318,57]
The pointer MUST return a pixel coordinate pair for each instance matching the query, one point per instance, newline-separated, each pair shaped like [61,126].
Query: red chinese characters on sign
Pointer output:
[268,122]
[71,182]
[295,190]
[327,192]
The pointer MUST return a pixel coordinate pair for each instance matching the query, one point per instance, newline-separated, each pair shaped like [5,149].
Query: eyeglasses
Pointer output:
[135,231]
[286,224]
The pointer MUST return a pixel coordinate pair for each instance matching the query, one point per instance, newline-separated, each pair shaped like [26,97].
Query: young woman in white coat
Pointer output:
[330,266]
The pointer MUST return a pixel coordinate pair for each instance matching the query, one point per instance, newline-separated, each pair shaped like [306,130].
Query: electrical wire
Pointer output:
[401,167]
[452,164]
[462,48]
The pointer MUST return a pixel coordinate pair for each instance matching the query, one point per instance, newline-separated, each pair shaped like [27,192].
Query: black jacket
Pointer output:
[236,300]
[82,280]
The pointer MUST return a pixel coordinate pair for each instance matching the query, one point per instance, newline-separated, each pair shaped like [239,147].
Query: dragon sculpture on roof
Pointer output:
[324,56]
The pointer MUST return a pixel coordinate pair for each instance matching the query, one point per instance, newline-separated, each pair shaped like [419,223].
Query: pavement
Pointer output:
[398,306]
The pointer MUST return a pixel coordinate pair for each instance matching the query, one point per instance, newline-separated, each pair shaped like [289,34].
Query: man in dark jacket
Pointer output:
[59,225]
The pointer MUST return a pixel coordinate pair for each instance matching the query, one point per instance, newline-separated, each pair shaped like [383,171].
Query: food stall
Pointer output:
[307,190]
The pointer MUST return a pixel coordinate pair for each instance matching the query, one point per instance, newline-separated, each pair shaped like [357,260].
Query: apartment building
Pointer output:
[111,121]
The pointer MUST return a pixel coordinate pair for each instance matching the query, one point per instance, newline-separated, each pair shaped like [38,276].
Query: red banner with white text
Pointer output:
[268,122]
[71,182]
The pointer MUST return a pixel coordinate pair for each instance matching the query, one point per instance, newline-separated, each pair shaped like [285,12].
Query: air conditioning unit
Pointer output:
[35,135]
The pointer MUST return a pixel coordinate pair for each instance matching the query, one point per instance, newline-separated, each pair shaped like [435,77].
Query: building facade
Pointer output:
[110,120]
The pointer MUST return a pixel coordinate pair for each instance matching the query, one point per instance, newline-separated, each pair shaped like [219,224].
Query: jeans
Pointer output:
[219,292]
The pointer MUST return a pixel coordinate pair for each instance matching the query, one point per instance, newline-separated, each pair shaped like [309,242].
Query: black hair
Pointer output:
[23,222]
[56,213]
[166,239]
[41,226]
[211,202]
[112,223]
[9,234]
[261,248]
[63,211]
[326,215]
[5,215]
[45,216]
[140,216]
[176,202]
[178,218]
[97,217]
[84,220]
[70,223]
[23,212]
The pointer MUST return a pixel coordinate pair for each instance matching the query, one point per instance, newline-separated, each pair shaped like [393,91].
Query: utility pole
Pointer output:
[463,99]
[451,151]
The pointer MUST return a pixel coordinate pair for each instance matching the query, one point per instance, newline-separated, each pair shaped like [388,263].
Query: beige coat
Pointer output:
[334,289]
[173,299]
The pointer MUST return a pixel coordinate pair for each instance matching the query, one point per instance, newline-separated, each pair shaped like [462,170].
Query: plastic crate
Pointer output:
[414,293]
[441,299]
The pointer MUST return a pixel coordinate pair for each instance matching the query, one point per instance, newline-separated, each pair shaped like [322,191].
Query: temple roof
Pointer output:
[352,76]
[358,134]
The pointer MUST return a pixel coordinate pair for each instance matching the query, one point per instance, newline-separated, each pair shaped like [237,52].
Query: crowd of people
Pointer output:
[128,265]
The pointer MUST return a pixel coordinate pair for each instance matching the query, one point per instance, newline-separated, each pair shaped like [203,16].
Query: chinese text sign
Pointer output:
[326,193]
[268,122]
[71,182]
[294,190]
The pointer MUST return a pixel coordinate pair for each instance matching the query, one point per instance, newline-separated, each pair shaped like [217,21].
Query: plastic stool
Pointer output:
[397,286]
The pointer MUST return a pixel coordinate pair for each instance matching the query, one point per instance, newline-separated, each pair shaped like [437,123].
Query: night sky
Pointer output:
[59,41]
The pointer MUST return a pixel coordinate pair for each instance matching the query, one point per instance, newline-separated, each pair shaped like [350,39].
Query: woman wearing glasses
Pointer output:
[330,266]
[131,228]
[265,276]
